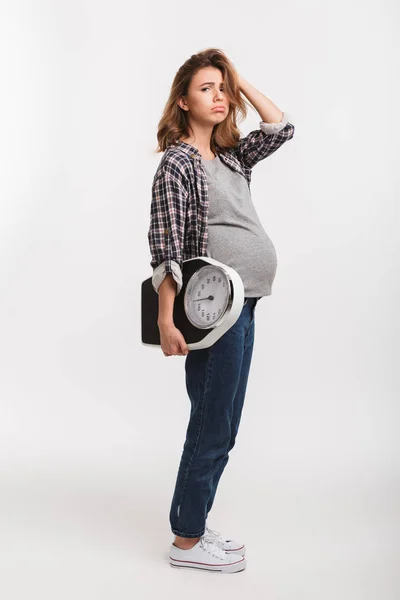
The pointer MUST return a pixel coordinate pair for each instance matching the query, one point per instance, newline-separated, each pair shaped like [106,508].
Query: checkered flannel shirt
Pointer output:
[179,207]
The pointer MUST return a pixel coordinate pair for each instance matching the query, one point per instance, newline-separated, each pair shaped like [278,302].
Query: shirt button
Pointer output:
[193,155]
[166,231]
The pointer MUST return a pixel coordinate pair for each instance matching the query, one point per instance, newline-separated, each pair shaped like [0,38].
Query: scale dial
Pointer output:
[207,296]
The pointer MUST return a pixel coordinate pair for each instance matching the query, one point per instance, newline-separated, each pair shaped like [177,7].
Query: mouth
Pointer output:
[218,108]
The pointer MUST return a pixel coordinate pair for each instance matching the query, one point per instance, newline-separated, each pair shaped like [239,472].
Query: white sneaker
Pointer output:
[207,555]
[230,546]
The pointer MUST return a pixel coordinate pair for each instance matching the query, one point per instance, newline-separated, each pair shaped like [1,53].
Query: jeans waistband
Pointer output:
[247,298]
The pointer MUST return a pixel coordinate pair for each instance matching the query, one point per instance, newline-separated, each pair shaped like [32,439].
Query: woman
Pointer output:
[202,206]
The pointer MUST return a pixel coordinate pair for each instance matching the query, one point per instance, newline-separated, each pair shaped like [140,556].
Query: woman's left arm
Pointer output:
[267,110]
[274,130]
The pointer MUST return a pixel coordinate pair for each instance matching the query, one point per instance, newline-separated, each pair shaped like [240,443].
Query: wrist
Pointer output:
[163,323]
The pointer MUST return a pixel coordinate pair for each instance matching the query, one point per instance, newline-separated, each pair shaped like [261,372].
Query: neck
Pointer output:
[200,138]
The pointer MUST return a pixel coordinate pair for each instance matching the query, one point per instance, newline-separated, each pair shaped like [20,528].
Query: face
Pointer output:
[206,92]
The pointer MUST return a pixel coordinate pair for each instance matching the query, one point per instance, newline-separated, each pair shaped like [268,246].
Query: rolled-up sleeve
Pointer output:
[264,141]
[161,271]
[271,128]
[166,233]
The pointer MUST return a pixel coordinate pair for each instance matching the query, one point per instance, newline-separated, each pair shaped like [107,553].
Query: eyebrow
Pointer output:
[210,83]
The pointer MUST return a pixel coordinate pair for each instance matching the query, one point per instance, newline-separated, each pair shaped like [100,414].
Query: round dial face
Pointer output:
[207,296]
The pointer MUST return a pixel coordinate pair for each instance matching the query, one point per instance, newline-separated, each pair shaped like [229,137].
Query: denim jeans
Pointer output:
[216,380]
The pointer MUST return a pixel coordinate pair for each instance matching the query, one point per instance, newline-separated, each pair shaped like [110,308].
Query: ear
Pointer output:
[182,104]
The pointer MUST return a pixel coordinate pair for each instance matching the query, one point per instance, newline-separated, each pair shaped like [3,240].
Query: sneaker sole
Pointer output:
[235,567]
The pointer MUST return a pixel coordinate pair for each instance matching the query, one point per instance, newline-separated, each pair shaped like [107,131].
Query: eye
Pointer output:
[208,88]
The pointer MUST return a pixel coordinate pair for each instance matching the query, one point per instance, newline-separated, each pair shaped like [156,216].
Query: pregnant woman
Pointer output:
[201,206]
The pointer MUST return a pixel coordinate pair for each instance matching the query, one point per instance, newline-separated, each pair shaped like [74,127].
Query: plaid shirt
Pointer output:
[179,207]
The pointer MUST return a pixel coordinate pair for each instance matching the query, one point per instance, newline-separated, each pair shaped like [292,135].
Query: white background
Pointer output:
[92,423]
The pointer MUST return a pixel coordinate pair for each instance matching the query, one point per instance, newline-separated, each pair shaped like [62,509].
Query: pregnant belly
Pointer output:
[249,254]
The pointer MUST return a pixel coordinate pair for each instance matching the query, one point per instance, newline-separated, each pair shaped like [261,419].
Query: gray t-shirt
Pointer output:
[236,236]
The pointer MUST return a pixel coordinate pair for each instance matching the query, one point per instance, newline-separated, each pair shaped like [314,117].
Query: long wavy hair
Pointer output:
[174,123]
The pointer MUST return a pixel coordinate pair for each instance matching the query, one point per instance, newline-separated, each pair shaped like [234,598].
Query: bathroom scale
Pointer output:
[209,303]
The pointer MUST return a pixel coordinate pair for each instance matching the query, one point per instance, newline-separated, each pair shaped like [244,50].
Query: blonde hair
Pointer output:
[174,123]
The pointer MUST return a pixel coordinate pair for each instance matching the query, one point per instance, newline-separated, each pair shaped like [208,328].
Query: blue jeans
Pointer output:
[216,380]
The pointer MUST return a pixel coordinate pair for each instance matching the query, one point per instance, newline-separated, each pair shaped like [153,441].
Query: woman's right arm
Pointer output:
[166,233]
[166,299]
[166,239]
[171,339]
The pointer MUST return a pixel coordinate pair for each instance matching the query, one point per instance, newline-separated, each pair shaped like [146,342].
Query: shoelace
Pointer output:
[209,544]
[215,535]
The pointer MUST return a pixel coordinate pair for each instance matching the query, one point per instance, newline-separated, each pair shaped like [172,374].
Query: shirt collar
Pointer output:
[191,150]
[187,149]
[194,153]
